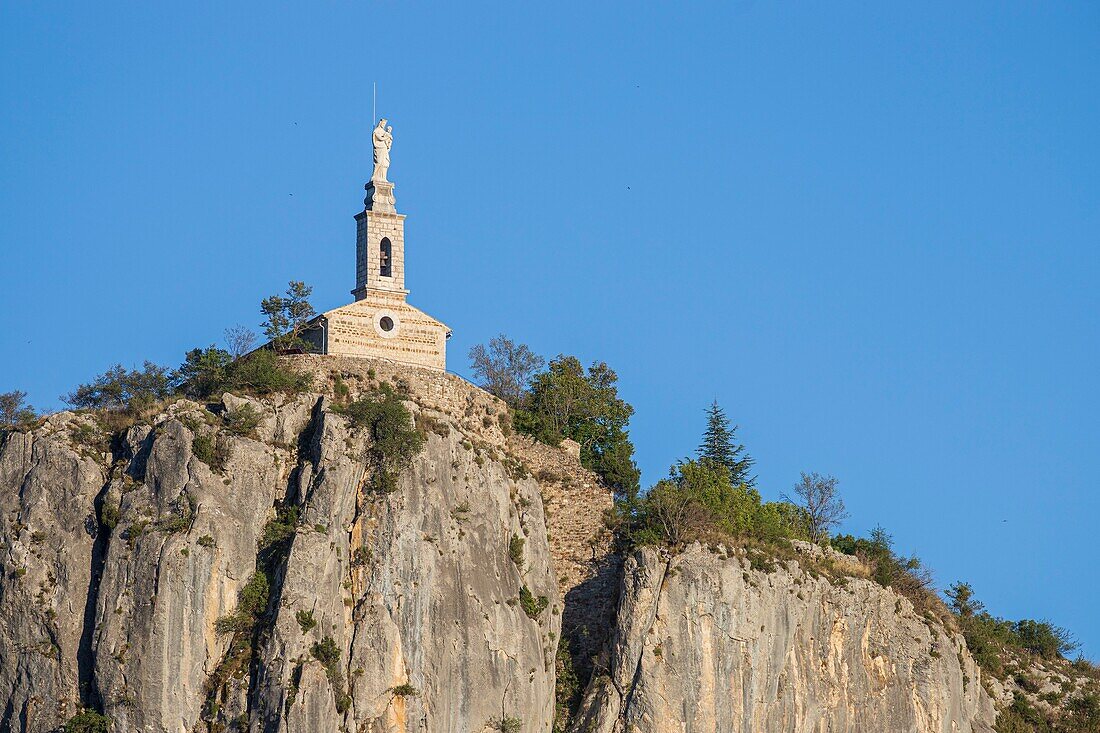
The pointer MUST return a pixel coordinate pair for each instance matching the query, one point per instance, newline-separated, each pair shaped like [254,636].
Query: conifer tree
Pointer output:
[720,446]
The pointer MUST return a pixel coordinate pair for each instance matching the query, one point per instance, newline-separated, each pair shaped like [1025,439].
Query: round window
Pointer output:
[386,323]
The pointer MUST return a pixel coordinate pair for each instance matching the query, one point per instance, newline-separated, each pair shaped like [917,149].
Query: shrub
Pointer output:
[211,449]
[988,638]
[109,513]
[515,550]
[244,420]
[405,690]
[206,541]
[394,441]
[262,373]
[120,388]
[340,388]
[905,575]
[251,605]
[698,502]
[204,372]
[568,689]
[1083,712]
[185,511]
[233,623]
[88,721]
[279,528]
[305,620]
[507,724]
[1044,638]
[530,605]
[1021,717]
[327,653]
[212,371]
[253,596]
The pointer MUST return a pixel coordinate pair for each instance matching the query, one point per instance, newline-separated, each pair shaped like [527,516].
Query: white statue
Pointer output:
[383,141]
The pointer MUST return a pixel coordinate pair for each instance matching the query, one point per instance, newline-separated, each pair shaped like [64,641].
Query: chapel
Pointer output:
[380,324]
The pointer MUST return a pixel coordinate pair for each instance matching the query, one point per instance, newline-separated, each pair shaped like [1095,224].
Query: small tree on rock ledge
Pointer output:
[287,316]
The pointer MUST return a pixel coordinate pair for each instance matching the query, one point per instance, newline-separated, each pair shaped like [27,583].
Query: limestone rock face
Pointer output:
[229,567]
[48,555]
[420,593]
[702,643]
[132,563]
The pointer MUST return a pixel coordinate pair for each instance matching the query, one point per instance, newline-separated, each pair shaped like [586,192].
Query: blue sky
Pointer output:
[869,230]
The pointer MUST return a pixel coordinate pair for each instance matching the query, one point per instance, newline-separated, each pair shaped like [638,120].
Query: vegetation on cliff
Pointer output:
[563,401]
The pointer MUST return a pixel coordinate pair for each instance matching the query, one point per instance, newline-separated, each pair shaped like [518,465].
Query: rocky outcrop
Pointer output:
[201,572]
[49,555]
[704,643]
[130,560]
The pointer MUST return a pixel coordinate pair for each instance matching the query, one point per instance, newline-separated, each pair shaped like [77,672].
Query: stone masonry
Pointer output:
[380,324]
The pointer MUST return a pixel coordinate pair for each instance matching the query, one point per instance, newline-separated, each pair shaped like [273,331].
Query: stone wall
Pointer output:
[414,338]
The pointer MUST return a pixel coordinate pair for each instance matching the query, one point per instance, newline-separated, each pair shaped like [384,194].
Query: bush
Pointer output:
[1021,717]
[532,606]
[905,575]
[327,653]
[279,529]
[1083,712]
[244,420]
[698,502]
[1044,638]
[989,638]
[887,568]
[405,690]
[251,605]
[120,388]
[204,372]
[252,600]
[305,620]
[515,550]
[262,373]
[211,449]
[394,441]
[507,724]
[88,721]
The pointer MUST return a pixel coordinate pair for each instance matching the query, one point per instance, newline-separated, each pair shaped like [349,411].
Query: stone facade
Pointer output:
[360,330]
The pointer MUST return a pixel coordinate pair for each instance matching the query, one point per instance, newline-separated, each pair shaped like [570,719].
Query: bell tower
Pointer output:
[379,243]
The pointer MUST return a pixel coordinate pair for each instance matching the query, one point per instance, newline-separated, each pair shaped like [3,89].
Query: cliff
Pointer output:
[196,572]
[180,577]
[706,642]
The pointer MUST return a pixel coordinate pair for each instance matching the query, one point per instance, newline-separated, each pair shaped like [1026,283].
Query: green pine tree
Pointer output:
[720,446]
